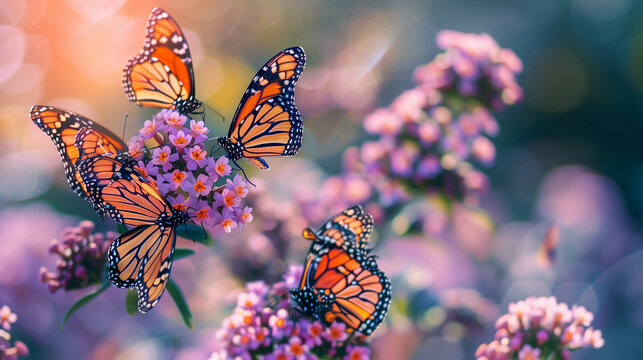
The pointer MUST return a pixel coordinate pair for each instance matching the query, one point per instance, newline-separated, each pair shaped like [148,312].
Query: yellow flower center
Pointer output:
[227,225]
[178,177]
[296,349]
[199,186]
[163,156]
[202,214]
[315,331]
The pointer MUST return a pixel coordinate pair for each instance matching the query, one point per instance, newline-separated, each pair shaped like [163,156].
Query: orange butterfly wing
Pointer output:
[62,127]
[350,228]
[142,257]
[162,75]
[337,285]
[267,122]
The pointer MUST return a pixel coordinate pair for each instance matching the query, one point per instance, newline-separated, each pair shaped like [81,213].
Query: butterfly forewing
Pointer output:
[63,127]
[162,75]
[267,122]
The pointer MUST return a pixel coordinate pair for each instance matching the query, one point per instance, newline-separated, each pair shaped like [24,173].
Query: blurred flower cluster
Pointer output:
[263,325]
[82,258]
[8,351]
[428,136]
[183,172]
[537,328]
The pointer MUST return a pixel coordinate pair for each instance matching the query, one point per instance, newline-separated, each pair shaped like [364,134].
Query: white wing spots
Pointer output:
[163,39]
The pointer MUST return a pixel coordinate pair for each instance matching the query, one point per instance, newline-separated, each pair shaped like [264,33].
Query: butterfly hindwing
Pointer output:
[142,257]
[162,75]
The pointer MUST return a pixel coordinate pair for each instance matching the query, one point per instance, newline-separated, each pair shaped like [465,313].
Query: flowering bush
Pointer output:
[537,328]
[8,351]
[83,257]
[263,325]
[184,173]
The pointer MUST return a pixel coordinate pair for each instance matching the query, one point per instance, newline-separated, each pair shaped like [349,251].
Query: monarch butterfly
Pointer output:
[340,282]
[142,257]
[62,127]
[350,228]
[161,75]
[267,122]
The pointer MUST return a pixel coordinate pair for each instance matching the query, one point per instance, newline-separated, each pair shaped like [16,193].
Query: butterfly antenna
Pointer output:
[244,173]
[216,112]
[212,152]
[124,125]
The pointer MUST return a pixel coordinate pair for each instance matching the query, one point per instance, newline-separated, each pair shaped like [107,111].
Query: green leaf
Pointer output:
[182,253]
[121,228]
[131,302]
[177,295]
[196,233]
[82,301]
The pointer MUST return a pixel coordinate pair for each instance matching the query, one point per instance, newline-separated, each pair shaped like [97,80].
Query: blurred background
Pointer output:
[569,154]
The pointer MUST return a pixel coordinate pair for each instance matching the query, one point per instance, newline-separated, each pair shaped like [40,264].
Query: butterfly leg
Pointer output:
[205,234]
[244,173]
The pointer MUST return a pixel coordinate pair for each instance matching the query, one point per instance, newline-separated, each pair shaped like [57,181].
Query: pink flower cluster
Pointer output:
[256,330]
[428,135]
[82,258]
[537,328]
[187,176]
[8,351]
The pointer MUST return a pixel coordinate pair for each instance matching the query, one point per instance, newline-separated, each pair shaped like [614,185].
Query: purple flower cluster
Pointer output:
[537,328]
[256,330]
[475,66]
[187,176]
[8,351]
[82,258]
[428,135]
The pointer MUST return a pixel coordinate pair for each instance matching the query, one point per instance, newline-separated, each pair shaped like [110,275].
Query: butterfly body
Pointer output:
[340,280]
